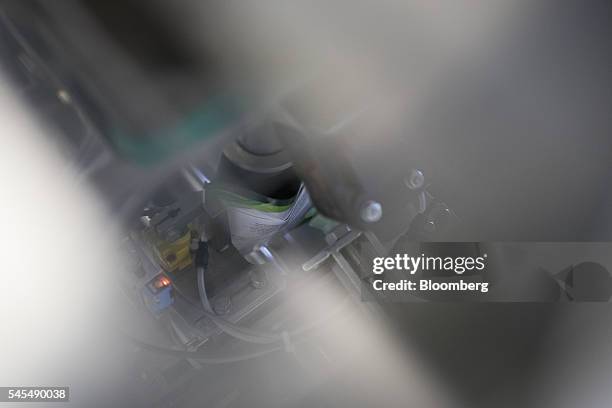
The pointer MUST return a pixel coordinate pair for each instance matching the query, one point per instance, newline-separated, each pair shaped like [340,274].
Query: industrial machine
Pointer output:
[255,169]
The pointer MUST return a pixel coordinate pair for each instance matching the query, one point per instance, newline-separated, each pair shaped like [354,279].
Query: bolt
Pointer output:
[64,96]
[258,279]
[371,211]
[260,255]
[222,305]
[416,180]
[430,227]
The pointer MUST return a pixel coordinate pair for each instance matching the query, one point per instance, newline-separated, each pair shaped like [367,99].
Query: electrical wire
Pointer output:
[243,333]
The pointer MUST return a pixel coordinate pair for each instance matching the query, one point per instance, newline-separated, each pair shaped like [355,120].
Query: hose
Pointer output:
[238,332]
[201,264]
[243,333]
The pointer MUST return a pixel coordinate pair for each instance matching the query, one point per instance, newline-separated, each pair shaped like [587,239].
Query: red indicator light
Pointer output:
[161,282]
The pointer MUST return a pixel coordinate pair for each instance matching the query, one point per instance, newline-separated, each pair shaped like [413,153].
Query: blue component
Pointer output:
[157,302]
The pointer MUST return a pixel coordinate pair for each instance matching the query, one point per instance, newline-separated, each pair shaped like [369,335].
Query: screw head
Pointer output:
[64,96]
[430,227]
[258,279]
[371,211]
[222,305]
[416,180]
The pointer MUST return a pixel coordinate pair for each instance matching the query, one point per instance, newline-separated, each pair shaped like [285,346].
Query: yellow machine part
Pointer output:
[173,256]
